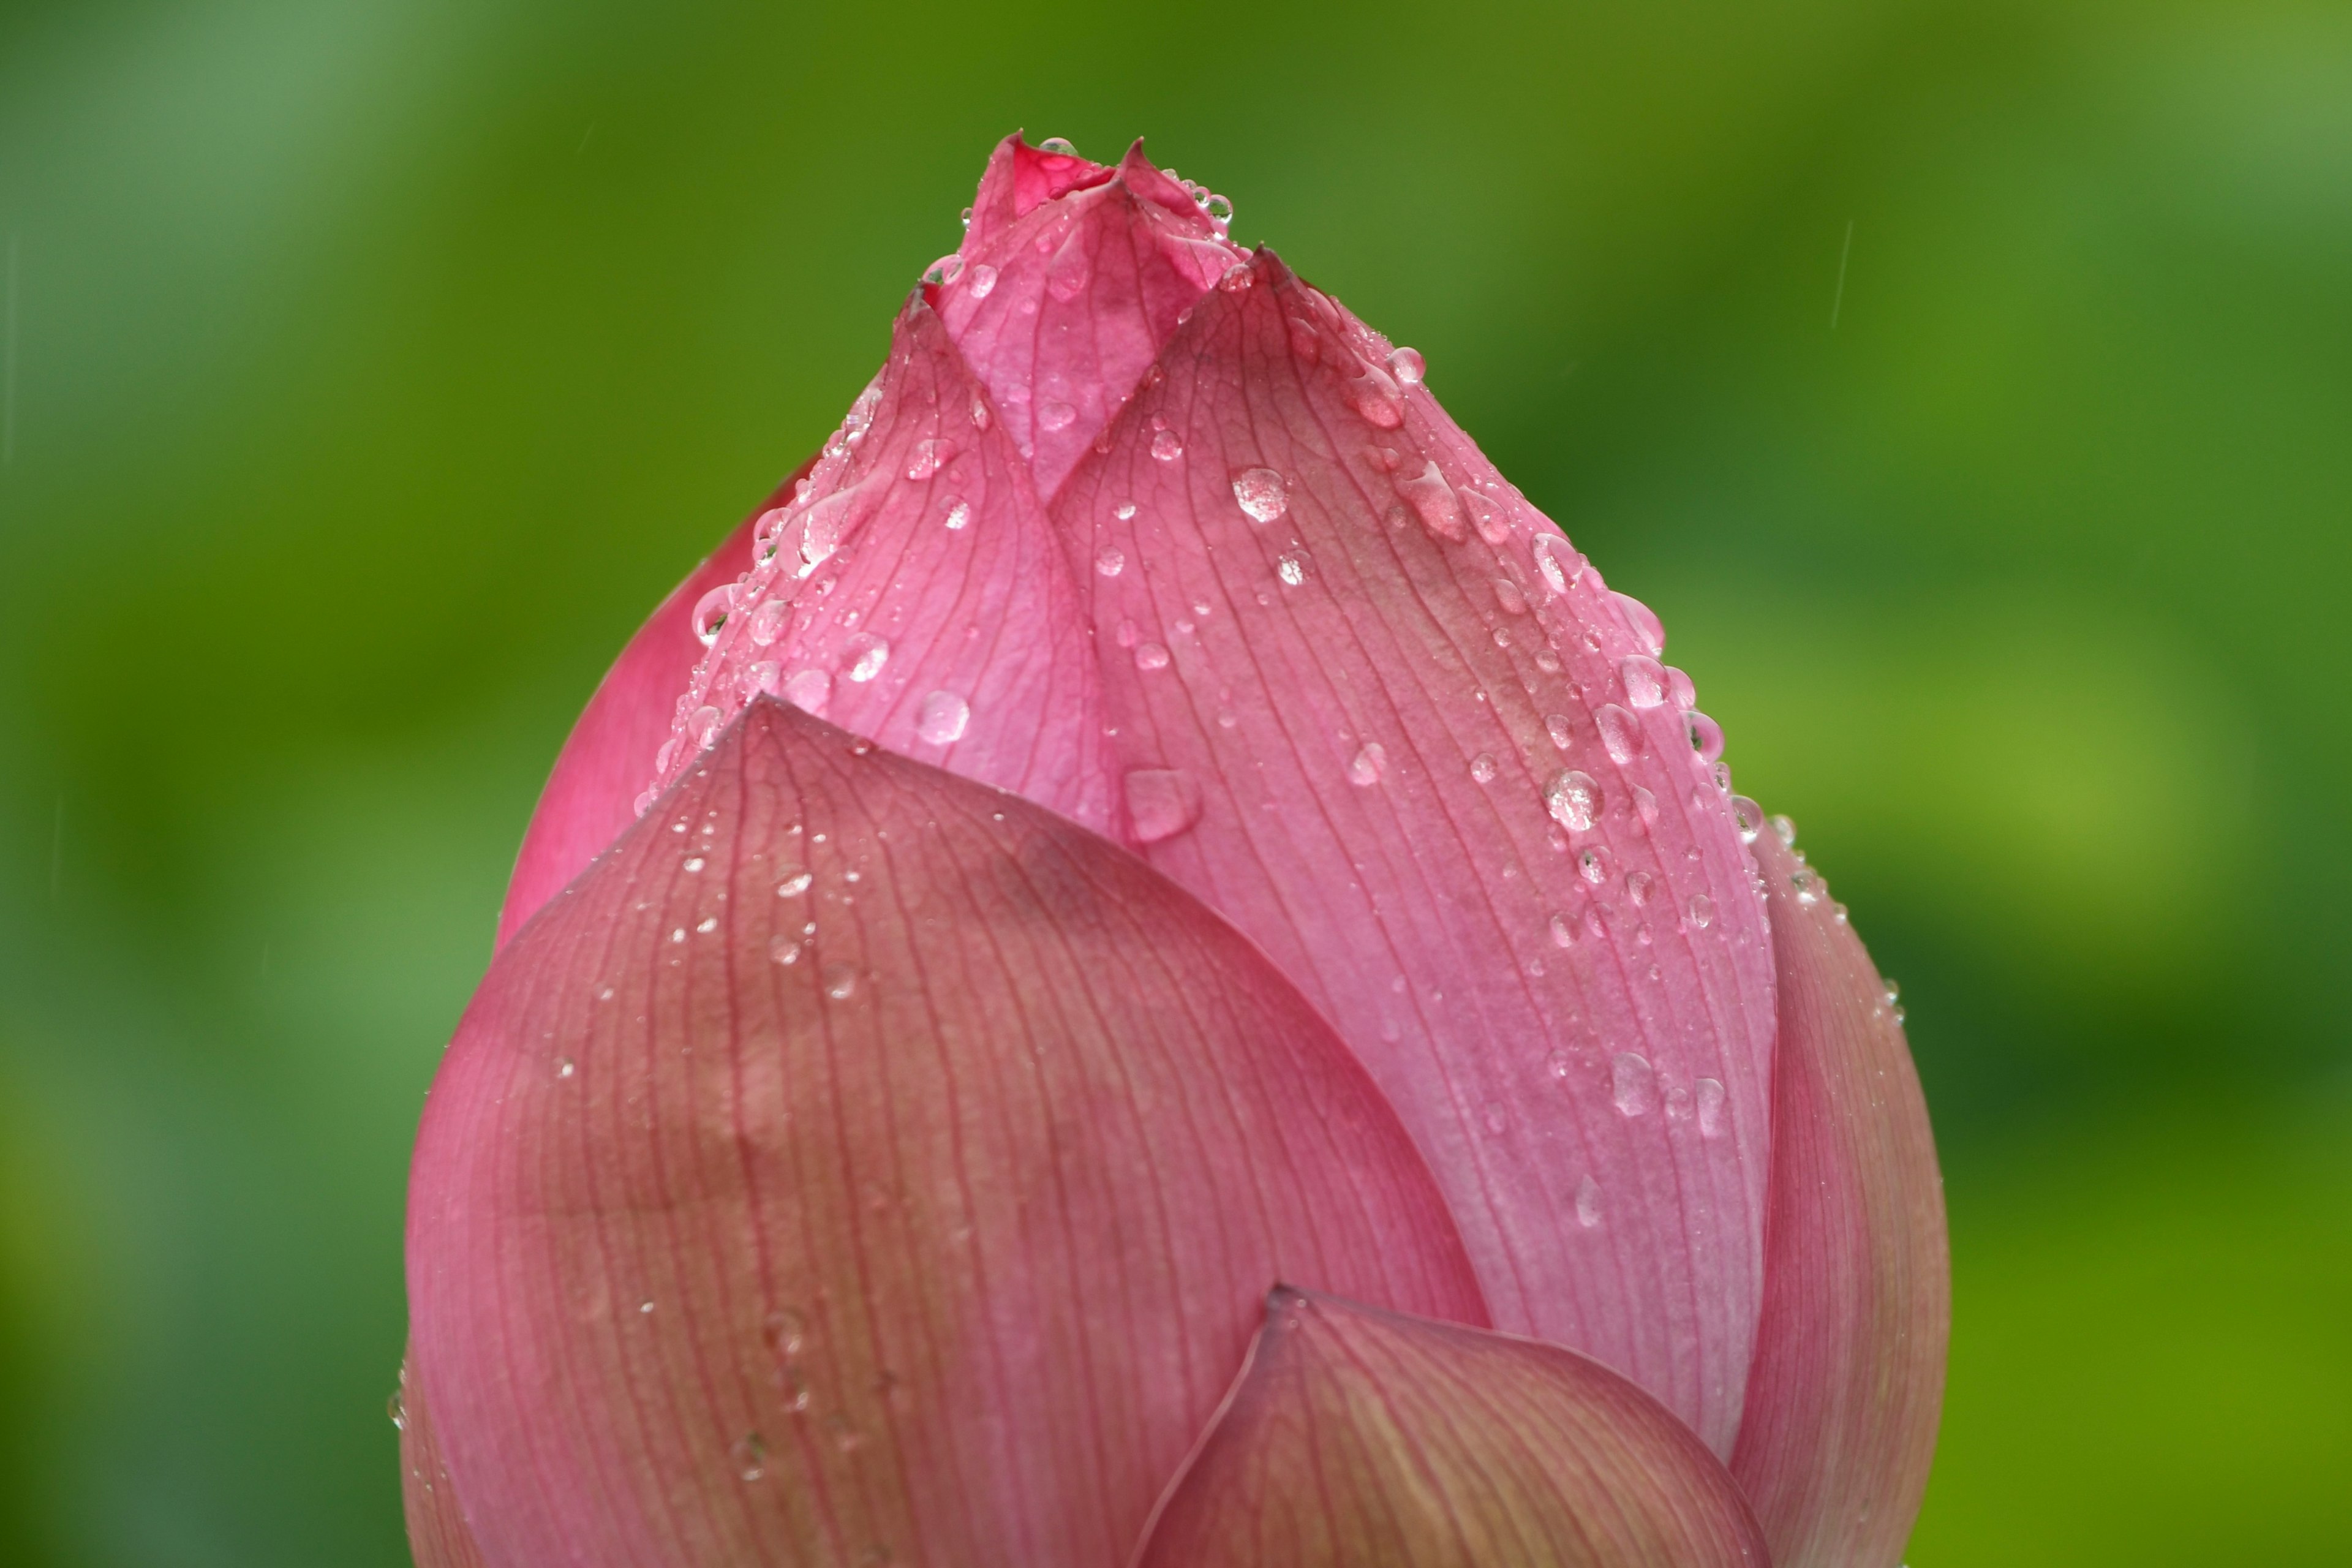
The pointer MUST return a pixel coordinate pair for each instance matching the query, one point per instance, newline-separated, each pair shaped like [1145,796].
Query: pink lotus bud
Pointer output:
[1148,812]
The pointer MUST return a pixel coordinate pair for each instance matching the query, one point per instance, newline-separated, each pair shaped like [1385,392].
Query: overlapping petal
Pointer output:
[438,1536]
[1372,708]
[860,1164]
[1358,1436]
[1848,1381]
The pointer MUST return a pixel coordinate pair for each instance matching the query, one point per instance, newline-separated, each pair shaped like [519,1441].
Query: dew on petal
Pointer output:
[929,458]
[1702,911]
[1573,799]
[1161,803]
[1679,687]
[1292,569]
[1486,515]
[1638,885]
[958,515]
[1563,931]
[1482,767]
[1747,816]
[1059,145]
[841,981]
[1645,682]
[1407,366]
[1111,561]
[1260,493]
[1562,732]
[1710,1097]
[1434,502]
[1632,1085]
[1706,735]
[866,656]
[1588,1202]
[1559,561]
[810,691]
[982,280]
[1123,511]
[1620,732]
[1055,415]
[1150,656]
[1593,865]
[794,886]
[705,726]
[1167,446]
[762,678]
[1784,828]
[1646,806]
[1374,396]
[942,718]
[749,1453]
[1644,622]
[946,269]
[1509,598]
[767,621]
[711,613]
[1371,764]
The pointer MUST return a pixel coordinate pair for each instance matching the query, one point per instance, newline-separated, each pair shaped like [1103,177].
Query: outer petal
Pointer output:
[1849,1375]
[1061,309]
[1019,179]
[914,592]
[608,759]
[437,1533]
[1440,779]
[1357,1436]
[859,1165]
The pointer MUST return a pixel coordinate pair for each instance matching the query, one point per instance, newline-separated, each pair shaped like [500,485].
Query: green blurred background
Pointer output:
[1968,385]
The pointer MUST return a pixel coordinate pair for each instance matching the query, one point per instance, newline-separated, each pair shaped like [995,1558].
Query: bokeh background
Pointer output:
[1967,383]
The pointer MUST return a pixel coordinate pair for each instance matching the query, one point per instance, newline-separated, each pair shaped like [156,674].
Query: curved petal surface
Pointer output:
[437,1533]
[1358,1436]
[1433,766]
[861,1163]
[608,757]
[1849,1377]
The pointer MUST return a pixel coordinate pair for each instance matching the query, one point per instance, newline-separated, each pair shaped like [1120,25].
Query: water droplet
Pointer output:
[841,981]
[1161,803]
[1710,1107]
[711,613]
[1644,622]
[1370,766]
[1407,366]
[783,950]
[810,691]
[958,515]
[1563,931]
[565,1068]
[1701,910]
[1123,511]
[1559,1066]
[1260,492]
[1808,883]
[1747,816]
[1679,687]
[1494,525]
[1291,569]
[1645,682]
[980,282]
[1620,732]
[1559,561]
[929,458]
[695,863]
[1057,144]
[1706,735]
[1573,799]
[1067,275]
[1237,277]
[1646,806]
[1784,828]
[1630,1083]
[397,1408]
[1167,446]
[1483,768]
[946,269]
[867,654]
[1588,1202]
[1434,502]
[708,925]
[749,1456]
[1150,656]
[1054,415]
[1374,396]
[942,718]
[1593,865]
[1220,210]
[1638,885]
[1892,990]
[1562,732]
[705,726]
[1509,598]
[1112,562]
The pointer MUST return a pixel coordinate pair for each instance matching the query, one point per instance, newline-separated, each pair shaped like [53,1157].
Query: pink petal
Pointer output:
[914,592]
[1392,681]
[608,759]
[1061,309]
[1849,1375]
[1358,1436]
[437,1534]
[859,1161]
[1018,179]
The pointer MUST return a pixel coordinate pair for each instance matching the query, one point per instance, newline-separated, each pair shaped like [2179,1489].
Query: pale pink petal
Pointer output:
[862,1164]
[1018,179]
[1356,1437]
[1440,782]
[914,592]
[608,759]
[437,1534]
[1849,1375]
[1061,309]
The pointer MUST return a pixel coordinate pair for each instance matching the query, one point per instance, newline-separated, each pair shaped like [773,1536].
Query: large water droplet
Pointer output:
[1167,446]
[1292,569]
[1559,561]
[1573,799]
[980,282]
[1111,561]
[864,655]
[749,1453]
[1371,764]
[704,726]
[1620,732]
[1747,816]
[1784,828]
[840,982]
[1593,865]
[1486,515]
[1161,803]
[1407,366]
[1706,735]
[810,691]
[1483,768]
[711,613]
[1562,732]
[1055,415]
[1644,622]
[1679,687]
[1645,682]
[1563,931]
[1588,1202]
[767,621]
[929,458]
[1434,502]
[1260,493]
[1701,910]
[1150,656]
[1373,395]
[946,269]
[1638,885]
[1509,598]
[1632,1085]
[942,718]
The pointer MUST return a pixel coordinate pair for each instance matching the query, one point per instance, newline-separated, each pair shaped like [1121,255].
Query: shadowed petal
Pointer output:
[607,760]
[1060,311]
[437,1536]
[914,592]
[1356,1437]
[862,1164]
[1849,1374]
[1438,774]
